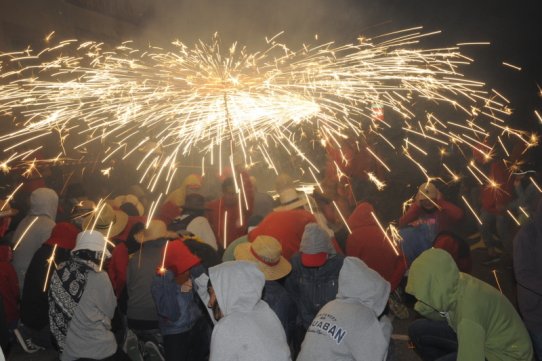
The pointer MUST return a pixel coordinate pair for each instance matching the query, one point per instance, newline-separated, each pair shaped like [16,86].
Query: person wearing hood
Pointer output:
[34,229]
[34,303]
[351,326]
[369,243]
[467,319]
[247,328]
[528,271]
[9,295]
[9,283]
[266,252]
[428,215]
[82,303]
[313,281]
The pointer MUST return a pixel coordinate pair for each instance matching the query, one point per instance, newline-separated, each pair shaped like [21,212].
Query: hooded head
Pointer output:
[433,279]
[63,235]
[359,283]
[238,285]
[44,202]
[315,246]
[361,217]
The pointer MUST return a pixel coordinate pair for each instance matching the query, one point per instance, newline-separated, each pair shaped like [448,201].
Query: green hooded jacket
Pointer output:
[486,323]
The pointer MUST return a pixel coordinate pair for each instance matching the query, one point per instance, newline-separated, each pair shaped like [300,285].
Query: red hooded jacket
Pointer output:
[367,242]
[9,285]
[285,226]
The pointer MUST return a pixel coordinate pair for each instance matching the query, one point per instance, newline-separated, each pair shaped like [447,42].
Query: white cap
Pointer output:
[91,240]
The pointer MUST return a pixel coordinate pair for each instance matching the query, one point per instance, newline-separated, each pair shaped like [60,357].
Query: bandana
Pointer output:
[67,286]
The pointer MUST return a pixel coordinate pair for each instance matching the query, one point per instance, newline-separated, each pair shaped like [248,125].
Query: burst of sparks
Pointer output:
[50,262]
[497,280]
[24,233]
[198,97]
[162,269]
[385,233]
[342,217]
[472,210]
[212,100]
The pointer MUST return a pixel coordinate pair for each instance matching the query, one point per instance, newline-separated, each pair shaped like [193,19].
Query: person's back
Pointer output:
[34,229]
[286,226]
[90,328]
[141,270]
[486,323]
[313,281]
[349,328]
[368,243]
[313,287]
[249,330]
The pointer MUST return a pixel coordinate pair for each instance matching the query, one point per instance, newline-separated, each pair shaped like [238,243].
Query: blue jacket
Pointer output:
[311,288]
[177,311]
[282,304]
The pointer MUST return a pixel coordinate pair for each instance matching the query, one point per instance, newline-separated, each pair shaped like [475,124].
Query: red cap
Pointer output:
[313,260]
[63,235]
[179,259]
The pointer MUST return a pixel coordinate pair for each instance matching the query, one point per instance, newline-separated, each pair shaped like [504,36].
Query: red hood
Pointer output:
[5,254]
[361,217]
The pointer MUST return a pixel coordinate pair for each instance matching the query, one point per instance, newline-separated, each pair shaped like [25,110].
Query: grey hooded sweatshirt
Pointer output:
[41,220]
[249,330]
[348,328]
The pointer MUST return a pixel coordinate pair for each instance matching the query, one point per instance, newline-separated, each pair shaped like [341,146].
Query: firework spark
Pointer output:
[209,100]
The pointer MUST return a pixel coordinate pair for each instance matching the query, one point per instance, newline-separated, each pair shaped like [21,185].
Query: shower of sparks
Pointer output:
[25,232]
[342,217]
[225,228]
[380,185]
[524,212]
[158,106]
[497,279]
[535,184]
[472,210]
[162,269]
[390,241]
[106,240]
[50,262]
[513,217]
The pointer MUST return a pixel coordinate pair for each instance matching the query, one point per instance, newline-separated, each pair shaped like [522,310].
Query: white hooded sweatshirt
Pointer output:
[348,328]
[249,330]
[34,229]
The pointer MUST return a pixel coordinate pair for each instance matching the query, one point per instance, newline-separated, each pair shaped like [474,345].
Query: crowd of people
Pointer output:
[243,276]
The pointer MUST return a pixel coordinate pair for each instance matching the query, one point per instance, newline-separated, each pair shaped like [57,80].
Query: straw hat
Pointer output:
[289,199]
[107,217]
[6,210]
[129,198]
[266,252]
[156,230]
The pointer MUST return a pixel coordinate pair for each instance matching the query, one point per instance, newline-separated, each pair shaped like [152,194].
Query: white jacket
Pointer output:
[249,330]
